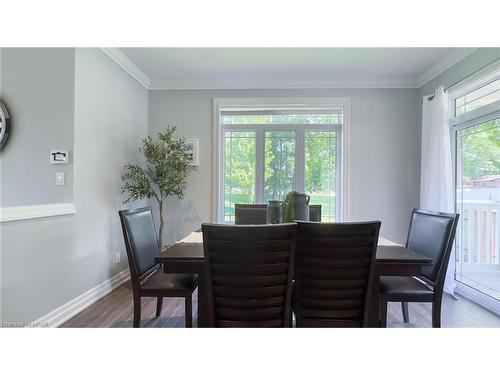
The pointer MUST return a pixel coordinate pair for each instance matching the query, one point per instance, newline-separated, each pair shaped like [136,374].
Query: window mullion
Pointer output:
[299,160]
[259,165]
[338,178]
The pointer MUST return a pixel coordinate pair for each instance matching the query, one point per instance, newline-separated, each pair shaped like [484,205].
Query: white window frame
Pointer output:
[310,102]
[457,123]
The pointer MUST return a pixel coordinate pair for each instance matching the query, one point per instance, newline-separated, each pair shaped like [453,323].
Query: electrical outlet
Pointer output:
[117,258]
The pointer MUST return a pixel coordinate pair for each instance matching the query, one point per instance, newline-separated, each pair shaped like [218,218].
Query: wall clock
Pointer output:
[4,124]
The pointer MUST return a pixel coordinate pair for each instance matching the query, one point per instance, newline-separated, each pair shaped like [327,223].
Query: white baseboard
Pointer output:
[65,312]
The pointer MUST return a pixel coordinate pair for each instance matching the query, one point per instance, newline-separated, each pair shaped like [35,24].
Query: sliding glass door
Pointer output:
[478,203]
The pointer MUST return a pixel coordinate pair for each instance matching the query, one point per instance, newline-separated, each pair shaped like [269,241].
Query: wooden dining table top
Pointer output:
[190,249]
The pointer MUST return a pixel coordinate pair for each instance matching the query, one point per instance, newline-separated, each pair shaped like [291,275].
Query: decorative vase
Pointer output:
[301,207]
[273,212]
[295,207]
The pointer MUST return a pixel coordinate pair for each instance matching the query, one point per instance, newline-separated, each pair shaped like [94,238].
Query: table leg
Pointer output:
[202,300]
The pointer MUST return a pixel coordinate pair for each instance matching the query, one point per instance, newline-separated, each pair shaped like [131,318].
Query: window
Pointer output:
[477,98]
[239,170]
[266,152]
[476,130]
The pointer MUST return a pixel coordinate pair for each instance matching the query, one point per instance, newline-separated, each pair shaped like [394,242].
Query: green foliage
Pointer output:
[279,164]
[239,163]
[320,154]
[480,149]
[165,172]
[289,207]
[279,159]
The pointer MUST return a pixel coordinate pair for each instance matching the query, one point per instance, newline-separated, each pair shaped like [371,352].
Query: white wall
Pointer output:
[47,262]
[384,152]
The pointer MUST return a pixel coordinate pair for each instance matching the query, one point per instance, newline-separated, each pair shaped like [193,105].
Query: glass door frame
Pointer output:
[303,103]
[469,120]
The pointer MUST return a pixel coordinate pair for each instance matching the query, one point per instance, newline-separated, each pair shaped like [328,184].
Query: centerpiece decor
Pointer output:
[168,164]
[273,212]
[295,207]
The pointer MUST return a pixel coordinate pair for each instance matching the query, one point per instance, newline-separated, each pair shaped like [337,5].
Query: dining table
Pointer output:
[187,257]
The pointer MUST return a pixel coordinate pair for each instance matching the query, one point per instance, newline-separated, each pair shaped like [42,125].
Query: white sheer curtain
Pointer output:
[436,174]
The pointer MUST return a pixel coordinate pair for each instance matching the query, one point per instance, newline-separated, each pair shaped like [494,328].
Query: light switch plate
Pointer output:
[59,178]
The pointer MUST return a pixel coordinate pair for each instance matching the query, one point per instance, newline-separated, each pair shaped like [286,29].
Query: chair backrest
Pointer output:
[245,214]
[432,234]
[315,212]
[140,241]
[334,273]
[249,273]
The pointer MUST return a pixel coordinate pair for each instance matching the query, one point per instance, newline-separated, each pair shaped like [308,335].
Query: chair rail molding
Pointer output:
[65,312]
[36,211]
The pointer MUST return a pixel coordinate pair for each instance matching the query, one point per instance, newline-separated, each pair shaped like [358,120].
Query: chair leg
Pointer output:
[404,309]
[137,311]
[188,311]
[159,304]
[383,312]
[436,313]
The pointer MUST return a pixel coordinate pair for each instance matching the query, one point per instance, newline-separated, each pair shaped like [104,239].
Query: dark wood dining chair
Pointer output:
[249,273]
[315,212]
[245,214]
[430,234]
[334,273]
[148,279]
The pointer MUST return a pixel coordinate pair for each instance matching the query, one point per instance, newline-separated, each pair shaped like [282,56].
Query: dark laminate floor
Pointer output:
[115,310]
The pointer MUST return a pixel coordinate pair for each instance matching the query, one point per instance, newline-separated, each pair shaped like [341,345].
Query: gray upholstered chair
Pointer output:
[245,214]
[148,279]
[430,234]
[315,212]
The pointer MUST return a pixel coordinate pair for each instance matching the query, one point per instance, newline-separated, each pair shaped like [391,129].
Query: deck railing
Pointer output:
[478,233]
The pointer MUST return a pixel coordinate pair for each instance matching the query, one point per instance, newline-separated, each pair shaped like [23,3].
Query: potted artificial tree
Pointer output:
[164,174]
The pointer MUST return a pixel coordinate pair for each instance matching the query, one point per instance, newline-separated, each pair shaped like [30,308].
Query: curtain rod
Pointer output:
[463,79]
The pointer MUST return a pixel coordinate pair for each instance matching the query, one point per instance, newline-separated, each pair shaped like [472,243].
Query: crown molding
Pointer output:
[252,85]
[444,64]
[403,82]
[126,64]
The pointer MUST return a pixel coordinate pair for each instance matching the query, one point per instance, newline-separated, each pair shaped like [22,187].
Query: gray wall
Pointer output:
[110,122]
[49,261]
[38,90]
[384,152]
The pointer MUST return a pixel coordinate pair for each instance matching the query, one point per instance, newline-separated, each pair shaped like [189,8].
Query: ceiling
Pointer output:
[217,68]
